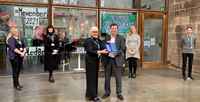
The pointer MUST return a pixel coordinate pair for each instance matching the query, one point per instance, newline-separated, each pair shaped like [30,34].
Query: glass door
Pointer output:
[154,37]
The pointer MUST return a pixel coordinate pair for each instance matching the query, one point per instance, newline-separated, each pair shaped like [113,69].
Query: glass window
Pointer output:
[153,5]
[153,40]
[119,3]
[30,21]
[76,2]
[123,19]
[41,1]
[73,26]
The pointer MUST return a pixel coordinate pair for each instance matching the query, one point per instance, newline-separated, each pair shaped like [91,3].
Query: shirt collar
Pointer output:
[111,35]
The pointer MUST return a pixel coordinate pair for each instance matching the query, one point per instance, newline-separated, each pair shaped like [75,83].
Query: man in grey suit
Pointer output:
[114,62]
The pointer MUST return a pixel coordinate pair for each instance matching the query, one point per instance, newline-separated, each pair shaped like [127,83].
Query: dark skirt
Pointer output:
[92,68]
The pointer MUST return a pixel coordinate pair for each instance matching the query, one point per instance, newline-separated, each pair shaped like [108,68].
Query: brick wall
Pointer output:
[182,14]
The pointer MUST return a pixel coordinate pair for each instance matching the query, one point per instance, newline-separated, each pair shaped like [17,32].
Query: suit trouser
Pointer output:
[184,57]
[111,65]
[16,66]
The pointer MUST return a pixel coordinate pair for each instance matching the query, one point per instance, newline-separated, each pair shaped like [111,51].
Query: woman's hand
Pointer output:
[130,52]
[55,51]
[108,41]
[104,51]
[22,54]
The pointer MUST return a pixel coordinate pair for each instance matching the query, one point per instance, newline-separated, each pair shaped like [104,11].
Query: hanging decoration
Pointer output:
[70,19]
[75,35]
[82,24]
[5,17]
[82,29]
[76,19]
[55,14]
[87,14]
[92,23]
[86,28]
[70,24]
[63,14]
[70,28]
[70,15]
[82,14]
[54,22]
[75,30]
[86,22]
[93,17]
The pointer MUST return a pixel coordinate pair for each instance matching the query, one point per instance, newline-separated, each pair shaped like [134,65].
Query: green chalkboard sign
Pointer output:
[124,22]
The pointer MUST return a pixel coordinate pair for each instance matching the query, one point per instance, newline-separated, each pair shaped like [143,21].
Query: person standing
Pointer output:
[17,50]
[187,44]
[93,52]
[132,50]
[114,62]
[51,46]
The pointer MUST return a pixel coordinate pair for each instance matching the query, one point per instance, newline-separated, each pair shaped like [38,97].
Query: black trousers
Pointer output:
[184,57]
[112,66]
[92,68]
[132,64]
[16,66]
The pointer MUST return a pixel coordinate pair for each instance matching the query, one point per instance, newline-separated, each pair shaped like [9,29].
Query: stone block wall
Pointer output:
[182,14]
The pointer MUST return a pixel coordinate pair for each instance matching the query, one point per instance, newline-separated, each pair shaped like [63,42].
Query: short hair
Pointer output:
[92,28]
[114,24]
[189,28]
[47,28]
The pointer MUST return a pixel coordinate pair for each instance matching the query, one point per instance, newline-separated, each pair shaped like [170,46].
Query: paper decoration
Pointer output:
[70,19]
[86,22]
[82,24]
[82,29]
[70,28]
[11,24]
[75,35]
[28,33]
[70,39]
[75,30]
[87,14]
[63,14]
[93,17]
[70,33]
[75,40]
[39,32]
[82,14]
[63,33]
[81,20]
[76,19]
[70,15]
[82,35]
[86,28]
[70,36]
[70,24]
[5,17]
[55,14]
[63,20]
[92,23]
[54,22]
[87,34]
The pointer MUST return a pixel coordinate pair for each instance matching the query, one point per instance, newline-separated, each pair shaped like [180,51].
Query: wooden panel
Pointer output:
[153,65]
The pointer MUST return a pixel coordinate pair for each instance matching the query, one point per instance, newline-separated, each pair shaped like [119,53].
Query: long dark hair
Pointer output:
[47,29]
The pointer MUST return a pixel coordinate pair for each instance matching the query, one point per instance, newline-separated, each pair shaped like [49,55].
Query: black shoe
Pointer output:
[105,96]
[134,75]
[130,75]
[96,99]
[184,78]
[120,97]
[191,78]
[51,79]
[18,87]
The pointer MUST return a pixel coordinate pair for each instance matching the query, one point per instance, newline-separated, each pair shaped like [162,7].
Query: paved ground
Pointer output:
[150,85]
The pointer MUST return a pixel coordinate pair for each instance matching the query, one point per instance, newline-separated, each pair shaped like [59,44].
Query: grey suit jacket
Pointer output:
[119,40]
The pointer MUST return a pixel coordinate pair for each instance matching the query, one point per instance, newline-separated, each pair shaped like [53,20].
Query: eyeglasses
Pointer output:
[95,32]
[114,28]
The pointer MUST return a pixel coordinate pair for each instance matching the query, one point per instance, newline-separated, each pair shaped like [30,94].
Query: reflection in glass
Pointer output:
[42,1]
[119,3]
[153,40]
[153,5]
[76,2]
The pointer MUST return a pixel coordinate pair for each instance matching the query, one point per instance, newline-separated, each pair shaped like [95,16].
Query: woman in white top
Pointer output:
[132,50]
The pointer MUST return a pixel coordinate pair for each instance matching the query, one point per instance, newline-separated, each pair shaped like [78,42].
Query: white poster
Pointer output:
[152,41]
[147,43]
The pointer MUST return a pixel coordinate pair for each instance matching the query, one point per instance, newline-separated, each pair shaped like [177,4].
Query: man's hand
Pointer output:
[112,52]
[108,41]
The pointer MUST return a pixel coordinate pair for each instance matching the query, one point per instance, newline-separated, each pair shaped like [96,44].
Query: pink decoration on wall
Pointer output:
[76,19]
[82,14]
[54,22]
[63,14]
[70,36]
[86,28]
[70,15]
[93,17]
[70,19]
[87,35]
[81,20]
[70,24]
[87,14]
[55,14]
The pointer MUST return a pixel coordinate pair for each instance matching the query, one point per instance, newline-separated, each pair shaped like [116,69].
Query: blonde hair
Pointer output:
[12,33]
[131,29]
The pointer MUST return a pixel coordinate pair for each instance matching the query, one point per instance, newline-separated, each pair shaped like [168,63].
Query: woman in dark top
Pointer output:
[17,49]
[93,51]
[51,45]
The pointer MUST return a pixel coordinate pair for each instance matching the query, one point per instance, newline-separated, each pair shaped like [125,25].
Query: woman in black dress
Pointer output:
[93,51]
[51,46]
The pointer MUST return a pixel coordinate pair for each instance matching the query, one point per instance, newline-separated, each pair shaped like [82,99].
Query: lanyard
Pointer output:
[19,41]
[96,42]
[51,37]
[190,40]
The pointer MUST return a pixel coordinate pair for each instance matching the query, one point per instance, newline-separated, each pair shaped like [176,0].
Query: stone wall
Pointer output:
[182,14]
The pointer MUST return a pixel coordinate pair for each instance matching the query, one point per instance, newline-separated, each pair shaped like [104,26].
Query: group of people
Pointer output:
[94,49]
